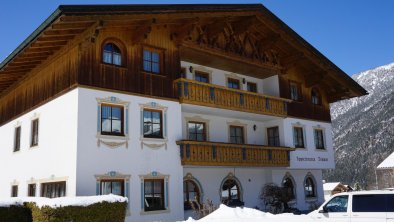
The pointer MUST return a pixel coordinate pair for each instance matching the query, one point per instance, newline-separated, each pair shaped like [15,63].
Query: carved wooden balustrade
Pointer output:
[199,93]
[227,154]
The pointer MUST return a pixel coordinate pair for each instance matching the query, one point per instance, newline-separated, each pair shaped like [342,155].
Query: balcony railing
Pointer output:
[204,94]
[227,154]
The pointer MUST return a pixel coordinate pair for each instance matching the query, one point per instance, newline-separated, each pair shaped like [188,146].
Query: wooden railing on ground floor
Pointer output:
[228,154]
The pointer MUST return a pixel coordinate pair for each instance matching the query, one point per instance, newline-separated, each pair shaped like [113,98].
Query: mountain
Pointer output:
[363,129]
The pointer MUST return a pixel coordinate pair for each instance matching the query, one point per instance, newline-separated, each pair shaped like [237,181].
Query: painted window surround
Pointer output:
[239,124]
[197,119]
[318,127]
[35,116]
[299,125]
[315,198]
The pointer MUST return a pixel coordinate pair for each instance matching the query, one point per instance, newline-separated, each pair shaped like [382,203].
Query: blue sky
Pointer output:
[355,34]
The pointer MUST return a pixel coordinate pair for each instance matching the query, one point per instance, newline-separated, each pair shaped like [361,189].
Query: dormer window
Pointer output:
[316,98]
[112,54]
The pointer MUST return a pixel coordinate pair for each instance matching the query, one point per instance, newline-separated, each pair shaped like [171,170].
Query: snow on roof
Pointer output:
[388,163]
[62,201]
[330,186]
[228,214]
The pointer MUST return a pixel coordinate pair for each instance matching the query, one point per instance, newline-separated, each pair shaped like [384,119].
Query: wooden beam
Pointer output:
[63,32]
[141,33]
[72,25]
[44,44]
[26,63]
[55,38]
[44,49]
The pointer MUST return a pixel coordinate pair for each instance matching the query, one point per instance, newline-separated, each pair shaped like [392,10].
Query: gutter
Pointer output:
[33,36]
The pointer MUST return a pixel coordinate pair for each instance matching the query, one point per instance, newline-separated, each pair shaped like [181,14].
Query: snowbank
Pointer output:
[228,214]
[62,201]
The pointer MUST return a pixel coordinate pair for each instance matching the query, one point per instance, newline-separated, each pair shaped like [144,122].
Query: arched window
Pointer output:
[191,194]
[112,54]
[316,98]
[310,187]
[231,192]
[289,186]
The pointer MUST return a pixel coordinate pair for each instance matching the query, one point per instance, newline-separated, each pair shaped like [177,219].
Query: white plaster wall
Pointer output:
[313,158]
[133,160]
[269,86]
[55,155]
[252,181]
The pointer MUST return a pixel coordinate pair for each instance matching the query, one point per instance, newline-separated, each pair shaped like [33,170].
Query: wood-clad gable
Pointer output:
[67,51]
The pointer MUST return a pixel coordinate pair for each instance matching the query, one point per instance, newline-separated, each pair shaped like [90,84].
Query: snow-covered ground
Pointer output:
[228,214]
[62,201]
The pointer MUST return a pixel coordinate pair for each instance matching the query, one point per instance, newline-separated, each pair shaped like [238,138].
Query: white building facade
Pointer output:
[221,136]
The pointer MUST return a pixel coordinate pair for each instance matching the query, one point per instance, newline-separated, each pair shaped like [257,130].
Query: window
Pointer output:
[112,120]
[17,139]
[183,72]
[252,87]
[14,191]
[112,54]
[237,134]
[191,193]
[233,83]
[310,189]
[201,76]
[288,186]
[370,203]
[34,133]
[319,140]
[152,60]
[337,204]
[295,91]
[154,194]
[112,186]
[31,190]
[298,137]
[315,95]
[273,136]
[196,131]
[230,193]
[152,124]
[52,190]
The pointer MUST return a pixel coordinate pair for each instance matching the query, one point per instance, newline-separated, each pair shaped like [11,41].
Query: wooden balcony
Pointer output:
[204,94]
[227,154]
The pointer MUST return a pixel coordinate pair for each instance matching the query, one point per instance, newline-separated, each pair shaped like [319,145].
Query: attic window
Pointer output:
[112,54]
[316,98]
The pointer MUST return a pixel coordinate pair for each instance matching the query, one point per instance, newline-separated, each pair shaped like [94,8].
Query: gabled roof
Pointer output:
[387,163]
[55,33]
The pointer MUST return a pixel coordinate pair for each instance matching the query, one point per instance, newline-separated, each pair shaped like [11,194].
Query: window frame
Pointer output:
[296,137]
[204,133]
[237,136]
[290,178]
[58,193]
[17,138]
[315,138]
[274,138]
[316,98]
[229,201]
[152,191]
[232,81]
[121,53]
[34,137]
[186,194]
[31,189]
[297,86]
[14,190]
[248,84]
[160,63]
[122,133]
[310,178]
[161,136]
[122,182]
[205,75]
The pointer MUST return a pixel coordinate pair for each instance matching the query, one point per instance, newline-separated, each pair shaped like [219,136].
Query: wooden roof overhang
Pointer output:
[245,38]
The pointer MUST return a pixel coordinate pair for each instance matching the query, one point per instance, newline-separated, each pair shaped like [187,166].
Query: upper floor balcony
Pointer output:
[201,153]
[205,94]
